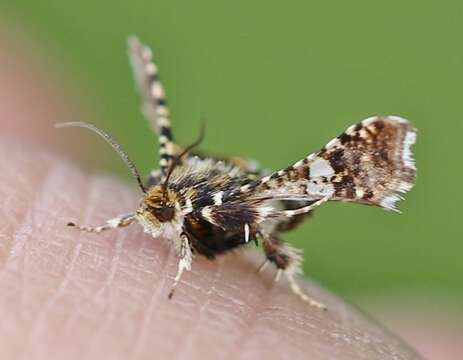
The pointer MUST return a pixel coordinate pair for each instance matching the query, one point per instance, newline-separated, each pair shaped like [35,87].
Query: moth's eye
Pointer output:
[164,213]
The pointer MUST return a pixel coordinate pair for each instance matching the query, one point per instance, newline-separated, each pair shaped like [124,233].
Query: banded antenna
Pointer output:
[116,147]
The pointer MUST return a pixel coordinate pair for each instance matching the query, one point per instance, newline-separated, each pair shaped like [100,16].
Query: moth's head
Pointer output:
[158,206]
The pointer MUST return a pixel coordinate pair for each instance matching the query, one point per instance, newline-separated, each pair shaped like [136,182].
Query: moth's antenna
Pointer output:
[177,159]
[117,148]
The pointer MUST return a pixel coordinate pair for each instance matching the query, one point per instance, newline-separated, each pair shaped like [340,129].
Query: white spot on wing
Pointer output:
[163,121]
[404,186]
[207,214]
[389,202]
[188,207]
[151,69]
[321,167]
[407,155]
[170,148]
[162,110]
[350,130]
[246,233]
[311,156]
[265,179]
[332,143]
[245,187]
[218,198]
[319,189]
[157,91]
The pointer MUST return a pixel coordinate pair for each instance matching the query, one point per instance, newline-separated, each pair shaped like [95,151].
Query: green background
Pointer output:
[276,80]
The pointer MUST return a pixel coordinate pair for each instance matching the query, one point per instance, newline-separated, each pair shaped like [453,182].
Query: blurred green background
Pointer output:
[275,81]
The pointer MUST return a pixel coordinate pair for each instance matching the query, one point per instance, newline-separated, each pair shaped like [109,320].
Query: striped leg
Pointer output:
[306,209]
[117,222]
[186,258]
[288,261]
[154,101]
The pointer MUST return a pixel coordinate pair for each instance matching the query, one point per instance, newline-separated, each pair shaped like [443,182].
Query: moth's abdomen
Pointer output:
[209,239]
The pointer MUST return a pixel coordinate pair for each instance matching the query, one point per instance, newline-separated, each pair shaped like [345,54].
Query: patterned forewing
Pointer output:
[370,163]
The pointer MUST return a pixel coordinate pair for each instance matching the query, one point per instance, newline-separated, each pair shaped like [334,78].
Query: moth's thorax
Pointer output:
[160,214]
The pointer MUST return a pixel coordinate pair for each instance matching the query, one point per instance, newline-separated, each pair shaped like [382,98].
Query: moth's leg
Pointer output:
[117,222]
[262,266]
[154,100]
[306,209]
[288,261]
[186,258]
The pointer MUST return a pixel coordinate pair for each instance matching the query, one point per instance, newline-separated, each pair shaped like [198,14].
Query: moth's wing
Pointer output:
[146,77]
[370,163]
[250,167]
[156,111]
[153,99]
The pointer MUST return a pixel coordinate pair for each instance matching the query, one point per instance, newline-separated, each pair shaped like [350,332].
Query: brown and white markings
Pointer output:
[208,206]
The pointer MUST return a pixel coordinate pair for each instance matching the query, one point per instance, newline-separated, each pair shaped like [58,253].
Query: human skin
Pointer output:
[68,295]
[72,295]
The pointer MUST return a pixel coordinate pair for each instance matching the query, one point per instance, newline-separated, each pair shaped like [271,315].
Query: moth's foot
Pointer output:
[296,289]
[120,221]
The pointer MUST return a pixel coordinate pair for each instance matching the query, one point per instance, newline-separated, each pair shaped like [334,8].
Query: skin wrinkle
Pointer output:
[274,317]
[19,265]
[115,261]
[69,251]
[249,324]
[185,350]
[133,343]
[111,310]
[11,219]
[348,324]
[344,342]
[139,266]
[28,189]
[5,273]
[39,323]
[116,288]
[34,217]
[292,328]
[156,295]
[114,265]
[248,347]
[243,305]
[228,301]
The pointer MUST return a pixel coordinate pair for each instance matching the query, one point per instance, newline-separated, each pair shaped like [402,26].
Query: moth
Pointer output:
[208,206]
